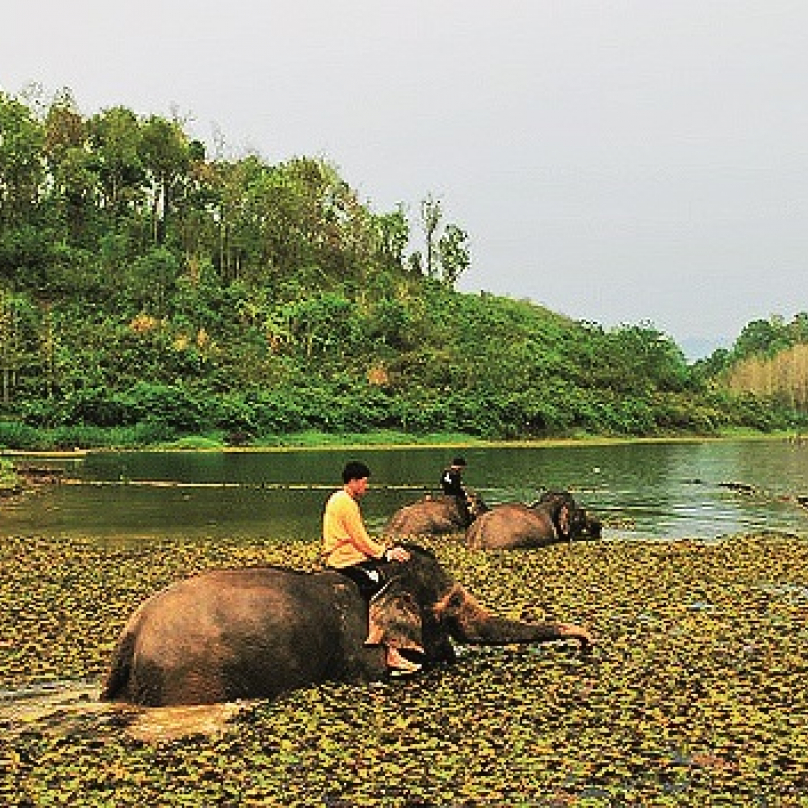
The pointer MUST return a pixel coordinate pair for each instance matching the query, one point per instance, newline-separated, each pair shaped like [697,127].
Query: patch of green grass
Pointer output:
[9,479]
[196,442]
[317,440]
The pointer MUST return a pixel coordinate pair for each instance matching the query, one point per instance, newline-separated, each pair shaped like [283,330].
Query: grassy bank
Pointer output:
[695,695]
[43,441]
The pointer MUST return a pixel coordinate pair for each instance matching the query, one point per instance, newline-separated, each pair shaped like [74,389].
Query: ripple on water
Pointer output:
[65,707]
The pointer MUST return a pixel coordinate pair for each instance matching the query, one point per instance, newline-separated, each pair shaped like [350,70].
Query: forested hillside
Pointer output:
[151,289]
[769,359]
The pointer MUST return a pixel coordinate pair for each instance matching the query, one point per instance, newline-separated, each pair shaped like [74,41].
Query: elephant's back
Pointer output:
[425,517]
[232,634]
[510,526]
[245,601]
[401,521]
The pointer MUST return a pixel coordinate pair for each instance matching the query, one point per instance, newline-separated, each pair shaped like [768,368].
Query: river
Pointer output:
[654,491]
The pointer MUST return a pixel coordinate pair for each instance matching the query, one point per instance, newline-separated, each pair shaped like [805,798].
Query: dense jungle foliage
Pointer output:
[150,290]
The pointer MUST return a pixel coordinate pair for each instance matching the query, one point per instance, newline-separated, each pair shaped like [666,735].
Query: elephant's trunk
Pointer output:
[469,622]
[594,528]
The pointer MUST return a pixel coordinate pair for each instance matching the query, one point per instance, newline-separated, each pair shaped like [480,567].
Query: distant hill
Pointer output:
[148,291]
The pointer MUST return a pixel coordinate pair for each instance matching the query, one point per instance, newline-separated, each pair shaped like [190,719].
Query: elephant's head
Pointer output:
[569,518]
[447,610]
[565,514]
[593,527]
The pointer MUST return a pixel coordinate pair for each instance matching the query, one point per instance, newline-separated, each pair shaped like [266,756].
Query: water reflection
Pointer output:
[71,708]
[653,491]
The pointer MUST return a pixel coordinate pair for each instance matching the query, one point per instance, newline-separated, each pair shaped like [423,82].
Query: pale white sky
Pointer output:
[618,161]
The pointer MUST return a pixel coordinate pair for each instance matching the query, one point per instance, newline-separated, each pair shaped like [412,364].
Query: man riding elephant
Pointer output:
[348,549]
[451,483]
[261,631]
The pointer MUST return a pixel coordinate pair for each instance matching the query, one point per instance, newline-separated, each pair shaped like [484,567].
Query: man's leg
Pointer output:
[393,620]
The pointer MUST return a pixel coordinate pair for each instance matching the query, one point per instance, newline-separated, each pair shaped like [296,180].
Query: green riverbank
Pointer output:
[111,440]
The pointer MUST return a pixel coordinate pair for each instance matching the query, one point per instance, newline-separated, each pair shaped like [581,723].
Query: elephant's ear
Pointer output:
[394,620]
[561,507]
[561,519]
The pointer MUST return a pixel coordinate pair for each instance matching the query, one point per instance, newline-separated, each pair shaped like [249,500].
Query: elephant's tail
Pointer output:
[116,685]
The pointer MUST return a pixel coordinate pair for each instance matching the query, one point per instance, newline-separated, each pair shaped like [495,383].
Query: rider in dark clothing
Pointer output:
[451,482]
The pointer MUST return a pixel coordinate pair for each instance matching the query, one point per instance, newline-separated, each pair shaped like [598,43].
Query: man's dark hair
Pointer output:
[459,461]
[354,470]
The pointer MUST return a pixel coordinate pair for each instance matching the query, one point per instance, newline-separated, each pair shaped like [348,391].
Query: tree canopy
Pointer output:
[146,284]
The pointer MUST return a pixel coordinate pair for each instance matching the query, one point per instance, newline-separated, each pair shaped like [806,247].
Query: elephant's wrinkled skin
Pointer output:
[571,519]
[435,516]
[556,517]
[255,633]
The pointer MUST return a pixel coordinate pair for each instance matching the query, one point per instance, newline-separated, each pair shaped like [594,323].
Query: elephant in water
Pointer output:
[434,515]
[555,517]
[258,632]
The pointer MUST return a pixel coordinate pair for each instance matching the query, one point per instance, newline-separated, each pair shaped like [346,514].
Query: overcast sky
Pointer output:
[618,161]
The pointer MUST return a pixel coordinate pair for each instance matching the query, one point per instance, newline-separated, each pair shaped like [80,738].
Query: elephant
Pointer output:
[434,515]
[259,632]
[554,518]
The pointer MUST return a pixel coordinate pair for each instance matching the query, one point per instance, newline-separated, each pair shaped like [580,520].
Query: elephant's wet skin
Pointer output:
[435,516]
[256,633]
[251,633]
[555,517]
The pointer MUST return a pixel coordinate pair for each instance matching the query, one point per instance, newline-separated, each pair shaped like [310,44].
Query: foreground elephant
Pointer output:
[257,632]
[556,517]
[434,515]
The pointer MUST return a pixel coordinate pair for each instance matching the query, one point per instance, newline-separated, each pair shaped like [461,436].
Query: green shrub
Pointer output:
[17,435]
[9,480]
[170,406]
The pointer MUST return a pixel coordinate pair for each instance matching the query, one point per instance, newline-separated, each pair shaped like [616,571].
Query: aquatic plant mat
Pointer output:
[696,694]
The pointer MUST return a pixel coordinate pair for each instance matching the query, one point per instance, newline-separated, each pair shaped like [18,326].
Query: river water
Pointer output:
[650,491]
[654,491]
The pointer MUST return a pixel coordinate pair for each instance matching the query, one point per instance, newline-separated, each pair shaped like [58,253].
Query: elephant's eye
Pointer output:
[454,601]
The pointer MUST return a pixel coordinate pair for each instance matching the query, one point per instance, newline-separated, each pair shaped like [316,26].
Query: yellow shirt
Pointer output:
[345,540]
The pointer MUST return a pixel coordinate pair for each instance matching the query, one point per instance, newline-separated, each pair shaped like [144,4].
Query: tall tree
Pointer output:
[70,162]
[446,251]
[454,254]
[17,335]
[22,169]
[431,214]
[394,233]
[762,338]
[115,135]
[166,157]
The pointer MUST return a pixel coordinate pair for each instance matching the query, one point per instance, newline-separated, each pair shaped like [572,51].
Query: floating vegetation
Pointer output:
[695,694]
